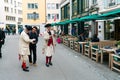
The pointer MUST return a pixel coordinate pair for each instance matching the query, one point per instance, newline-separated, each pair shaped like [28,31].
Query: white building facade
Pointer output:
[53,11]
[11,17]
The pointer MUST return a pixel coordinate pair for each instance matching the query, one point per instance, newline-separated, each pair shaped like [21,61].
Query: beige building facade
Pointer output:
[34,13]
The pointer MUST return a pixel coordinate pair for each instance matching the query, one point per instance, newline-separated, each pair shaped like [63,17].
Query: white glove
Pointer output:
[32,40]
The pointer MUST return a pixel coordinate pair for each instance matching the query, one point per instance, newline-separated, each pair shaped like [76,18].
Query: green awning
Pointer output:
[91,17]
[111,14]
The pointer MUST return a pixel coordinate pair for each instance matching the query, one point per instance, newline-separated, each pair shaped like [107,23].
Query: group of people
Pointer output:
[27,46]
[2,40]
[82,38]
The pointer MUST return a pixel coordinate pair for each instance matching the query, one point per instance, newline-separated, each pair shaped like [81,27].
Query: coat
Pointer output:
[24,44]
[49,50]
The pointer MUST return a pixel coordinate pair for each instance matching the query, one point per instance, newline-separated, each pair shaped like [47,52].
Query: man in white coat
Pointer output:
[49,45]
[24,46]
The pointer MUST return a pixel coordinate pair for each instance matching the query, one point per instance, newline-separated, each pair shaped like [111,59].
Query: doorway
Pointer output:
[117,29]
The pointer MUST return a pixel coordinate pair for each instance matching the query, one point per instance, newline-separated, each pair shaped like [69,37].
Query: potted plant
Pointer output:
[118,44]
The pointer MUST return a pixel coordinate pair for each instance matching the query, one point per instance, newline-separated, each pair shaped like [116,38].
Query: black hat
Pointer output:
[28,27]
[47,25]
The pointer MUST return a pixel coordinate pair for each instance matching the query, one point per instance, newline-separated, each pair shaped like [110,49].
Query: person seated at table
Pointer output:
[81,37]
[95,38]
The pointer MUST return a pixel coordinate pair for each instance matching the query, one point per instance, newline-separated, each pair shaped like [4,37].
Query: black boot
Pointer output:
[47,65]
[50,63]
[26,70]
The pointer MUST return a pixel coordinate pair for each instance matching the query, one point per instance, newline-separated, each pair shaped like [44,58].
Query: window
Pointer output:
[32,5]
[6,9]
[20,19]
[94,2]
[30,16]
[62,13]
[11,1]
[49,16]
[15,11]
[36,16]
[15,3]
[33,16]
[57,6]
[6,1]
[19,4]
[74,7]
[36,6]
[53,6]
[85,5]
[112,2]
[68,11]
[10,18]
[53,15]
[48,5]
[11,10]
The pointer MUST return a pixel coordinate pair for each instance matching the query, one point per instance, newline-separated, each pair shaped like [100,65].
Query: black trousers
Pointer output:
[33,55]
[0,50]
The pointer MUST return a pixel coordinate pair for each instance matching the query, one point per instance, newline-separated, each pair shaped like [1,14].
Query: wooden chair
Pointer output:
[71,44]
[95,50]
[115,62]
[87,50]
[76,46]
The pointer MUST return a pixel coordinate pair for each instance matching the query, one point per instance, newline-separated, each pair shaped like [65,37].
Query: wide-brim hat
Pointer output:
[47,25]
[28,27]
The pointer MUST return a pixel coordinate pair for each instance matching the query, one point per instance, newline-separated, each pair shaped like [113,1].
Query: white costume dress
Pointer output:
[49,50]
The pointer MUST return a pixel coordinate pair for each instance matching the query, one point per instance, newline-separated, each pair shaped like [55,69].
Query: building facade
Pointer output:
[11,17]
[53,12]
[110,26]
[34,13]
[92,16]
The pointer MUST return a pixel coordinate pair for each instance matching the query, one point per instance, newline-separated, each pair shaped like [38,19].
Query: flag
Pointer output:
[55,17]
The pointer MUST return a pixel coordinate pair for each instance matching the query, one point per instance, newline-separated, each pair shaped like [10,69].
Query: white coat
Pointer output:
[24,44]
[49,50]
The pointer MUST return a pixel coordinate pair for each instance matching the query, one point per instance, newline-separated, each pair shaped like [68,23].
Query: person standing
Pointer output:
[24,47]
[49,45]
[33,35]
[3,34]
[1,42]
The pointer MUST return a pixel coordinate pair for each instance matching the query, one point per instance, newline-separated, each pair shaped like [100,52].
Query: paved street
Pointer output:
[67,65]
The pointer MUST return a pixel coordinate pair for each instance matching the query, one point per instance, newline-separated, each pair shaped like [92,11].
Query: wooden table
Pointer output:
[82,43]
[109,51]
